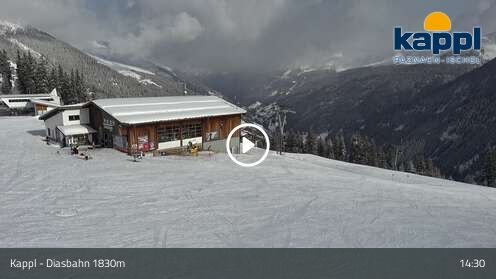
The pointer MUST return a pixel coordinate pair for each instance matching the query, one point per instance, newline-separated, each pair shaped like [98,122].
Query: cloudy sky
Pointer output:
[223,35]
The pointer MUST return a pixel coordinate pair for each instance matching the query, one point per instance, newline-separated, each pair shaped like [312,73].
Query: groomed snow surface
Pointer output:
[57,200]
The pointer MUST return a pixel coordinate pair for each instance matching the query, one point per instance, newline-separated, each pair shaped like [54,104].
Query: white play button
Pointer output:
[246,145]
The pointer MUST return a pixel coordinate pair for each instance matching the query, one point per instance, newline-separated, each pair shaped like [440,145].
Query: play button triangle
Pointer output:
[246,145]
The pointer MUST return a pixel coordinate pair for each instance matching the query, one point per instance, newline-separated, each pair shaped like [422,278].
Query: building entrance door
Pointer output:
[107,139]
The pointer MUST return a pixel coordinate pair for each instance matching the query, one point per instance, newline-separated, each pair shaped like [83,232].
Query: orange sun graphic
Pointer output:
[437,22]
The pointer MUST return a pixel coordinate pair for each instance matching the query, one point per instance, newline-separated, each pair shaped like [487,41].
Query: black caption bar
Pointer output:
[247,263]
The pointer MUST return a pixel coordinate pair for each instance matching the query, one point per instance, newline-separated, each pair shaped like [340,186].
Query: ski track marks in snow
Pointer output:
[49,198]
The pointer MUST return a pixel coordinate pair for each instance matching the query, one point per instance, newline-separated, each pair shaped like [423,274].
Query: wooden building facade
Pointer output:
[176,123]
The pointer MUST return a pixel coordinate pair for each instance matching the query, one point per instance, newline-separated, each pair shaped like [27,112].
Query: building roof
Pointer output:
[155,109]
[56,110]
[77,129]
[25,96]
[44,103]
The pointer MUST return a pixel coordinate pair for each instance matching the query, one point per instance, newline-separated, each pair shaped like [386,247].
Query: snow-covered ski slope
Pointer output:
[56,200]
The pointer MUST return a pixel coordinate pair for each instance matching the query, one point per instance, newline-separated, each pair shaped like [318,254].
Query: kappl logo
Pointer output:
[437,39]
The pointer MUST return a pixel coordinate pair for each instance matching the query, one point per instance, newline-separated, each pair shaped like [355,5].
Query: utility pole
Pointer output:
[185,89]
[281,114]
[397,153]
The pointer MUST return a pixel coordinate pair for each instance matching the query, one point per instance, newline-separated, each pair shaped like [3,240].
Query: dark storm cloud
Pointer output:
[239,34]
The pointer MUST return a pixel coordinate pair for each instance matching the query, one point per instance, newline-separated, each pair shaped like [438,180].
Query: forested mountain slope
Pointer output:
[101,79]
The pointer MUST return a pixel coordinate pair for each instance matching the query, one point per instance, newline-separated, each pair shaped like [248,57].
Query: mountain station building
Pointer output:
[68,125]
[164,124]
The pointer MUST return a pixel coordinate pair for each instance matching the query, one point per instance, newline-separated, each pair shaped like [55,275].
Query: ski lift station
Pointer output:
[29,103]
[147,124]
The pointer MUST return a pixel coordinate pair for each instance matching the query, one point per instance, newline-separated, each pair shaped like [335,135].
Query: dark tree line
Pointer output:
[490,167]
[5,73]
[360,149]
[37,76]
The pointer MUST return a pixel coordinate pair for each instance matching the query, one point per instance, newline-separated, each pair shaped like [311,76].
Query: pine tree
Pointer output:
[381,158]
[420,165]
[5,73]
[310,143]
[432,169]
[358,150]
[354,149]
[3,61]
[52,79]
[72,88]
[340,151]
[65,88]
[371,153]
[20,73]
[60,77]
[389,156]
[42,85]
[290,141]
[322,147]
[490,168]
[300,143]
[330,147]
[29,68]
[25,73]
[80,88]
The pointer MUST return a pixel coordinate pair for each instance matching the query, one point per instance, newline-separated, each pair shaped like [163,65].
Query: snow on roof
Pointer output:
[52,94]
[77,129]
[25,96]
[44,103]
[56,110]
[20,100]
[154,109]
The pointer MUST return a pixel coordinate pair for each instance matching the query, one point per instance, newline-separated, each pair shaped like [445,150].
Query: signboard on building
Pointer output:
[108,124]
[143,143]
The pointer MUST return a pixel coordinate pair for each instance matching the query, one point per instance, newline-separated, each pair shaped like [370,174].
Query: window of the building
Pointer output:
[74,117]
[79,139]
[18,100]
[212,136]
[120,141]
[168,133]
[193,130]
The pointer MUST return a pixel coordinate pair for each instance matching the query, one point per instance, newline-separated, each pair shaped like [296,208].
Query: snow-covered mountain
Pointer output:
[103,78]
[340,62]
[380,102]
[489,46]
[153,73]
[457,120]
[143,76]
[49,198]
